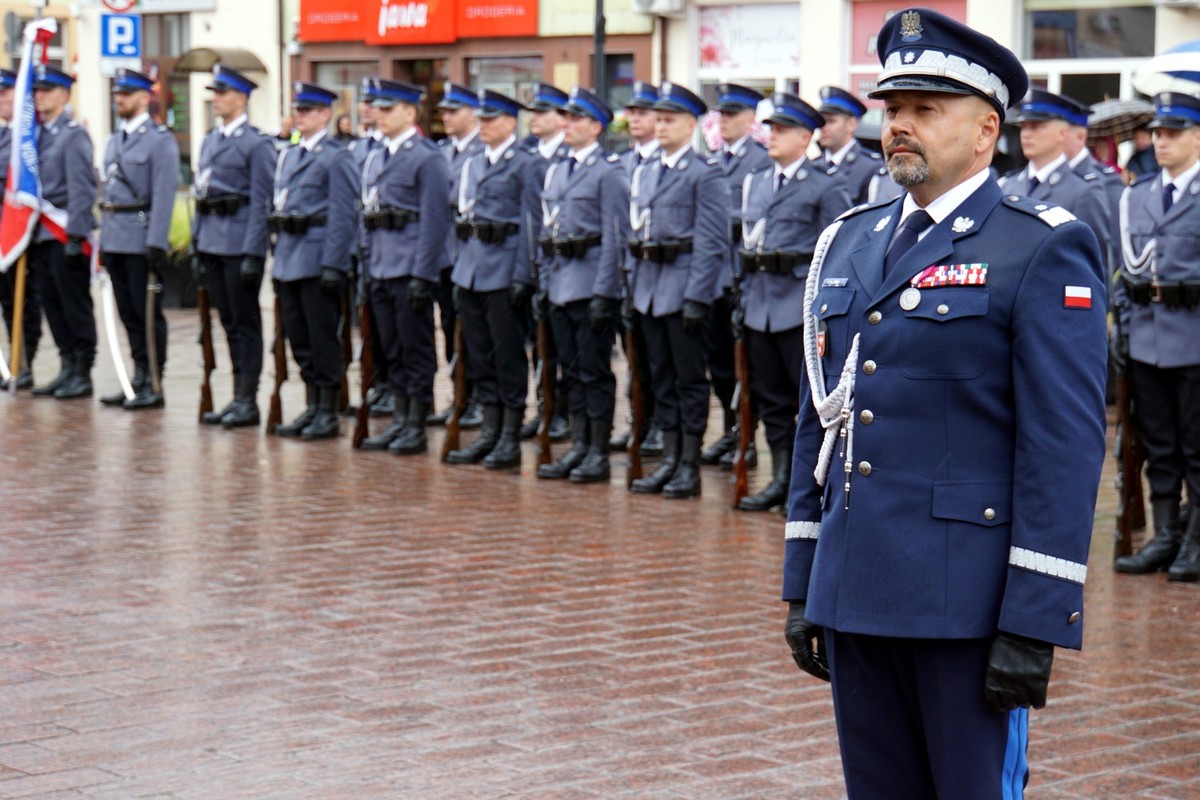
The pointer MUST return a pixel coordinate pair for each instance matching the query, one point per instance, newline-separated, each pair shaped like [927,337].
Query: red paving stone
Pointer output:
[196,613]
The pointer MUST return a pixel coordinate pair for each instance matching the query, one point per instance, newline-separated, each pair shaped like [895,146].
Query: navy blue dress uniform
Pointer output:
[585,222]
[1086,198]
[679,212]
[738,159]
[945,513]
[784,209]
[140,174]
[499,225]
[1158,300]
[857,165]
[315,222]
[233,189]
[407,221]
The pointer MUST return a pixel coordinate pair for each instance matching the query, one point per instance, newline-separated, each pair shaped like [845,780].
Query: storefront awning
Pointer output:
[202,59]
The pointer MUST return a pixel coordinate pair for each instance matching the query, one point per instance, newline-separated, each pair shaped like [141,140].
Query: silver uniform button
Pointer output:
[874,317]
[869,367]
[864,468]
[989,514]
[1074,618]
[866,416]
[943,309]
[824,307]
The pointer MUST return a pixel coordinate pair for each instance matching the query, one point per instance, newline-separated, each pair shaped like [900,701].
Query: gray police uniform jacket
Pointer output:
[68,178]
[142,167]
[789,220]
[881,187]
[687,202]
[1164,248]
[1091,169]
[629,160]
[323,184]
[413,180]
[239,165]
[508,191]
[748,158]
[858,167]
[1085,199]
[592,201]
[454,170]
[360,150]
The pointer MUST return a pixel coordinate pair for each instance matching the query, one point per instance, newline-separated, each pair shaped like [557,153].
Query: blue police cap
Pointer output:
[586,104]
[8,78]
[1175,110]
[389,93]
[548,98]
[310,95]
[368,89]
[494,104]
[924,51]
[47,77]
[642,95]
[793,112]
[673,97]
[734,98]
[839,101]
[1042,105]
[459,96]
[130,80]
[230,80]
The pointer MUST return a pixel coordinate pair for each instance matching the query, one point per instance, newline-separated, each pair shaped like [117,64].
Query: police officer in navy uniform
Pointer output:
[585,227]
[233,198]
[1158,300]
[314,221]
[679,210]
[784,209]
[140,174]
[950,439]
[457,108]
[500,222]
[739,156]
[841,151]
[1044,121]
[407,221]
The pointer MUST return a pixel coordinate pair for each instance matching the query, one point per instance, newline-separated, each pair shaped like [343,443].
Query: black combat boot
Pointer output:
[244,413]
[325,424]
[385,404]
[79,384]
[144,396]
[728,442]
[489,432]
[507,452]
[64,374]
[652,443]
[301,422]
[1186,566]
[656,480]
[215,417]
[412,440]
[561,469]
[686,480]
[1158,553]
[751,454]
[381,440]
[118,398]
[774,493]
[530,428]
[595,467]
[560,421]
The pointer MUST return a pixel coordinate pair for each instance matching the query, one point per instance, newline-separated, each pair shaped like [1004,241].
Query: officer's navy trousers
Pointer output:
[776,369]
[130,274]
[239,311]
[406,337]
[677,367]
[31,325]
[312,322]
[720,353]
[586,357]
[913,723]
[1168,419]
[66,294]
[495,341]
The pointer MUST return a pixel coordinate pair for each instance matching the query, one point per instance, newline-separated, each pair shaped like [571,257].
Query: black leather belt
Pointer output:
[117,208]
[1172,294]
[224,206]
[664,252]
[570,247]
[297,224]
[772,263]
[389,219]
[485,231]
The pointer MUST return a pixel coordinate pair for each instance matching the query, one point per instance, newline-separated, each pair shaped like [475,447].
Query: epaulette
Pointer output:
[162,128]
[871,154]
[1090,176]
[612,158]
[712,161]
[532,150]
[74,123]
[832,169]
[1048,213]
[854,212]
[1142,178]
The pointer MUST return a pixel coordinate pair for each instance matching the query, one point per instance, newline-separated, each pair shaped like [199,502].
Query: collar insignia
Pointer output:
[962,224]
[883,223]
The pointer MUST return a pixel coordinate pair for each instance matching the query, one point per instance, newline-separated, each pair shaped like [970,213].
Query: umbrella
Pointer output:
[1177,70]
[1118,119]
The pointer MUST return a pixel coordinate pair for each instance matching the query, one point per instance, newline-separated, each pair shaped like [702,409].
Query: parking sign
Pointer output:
[120,42]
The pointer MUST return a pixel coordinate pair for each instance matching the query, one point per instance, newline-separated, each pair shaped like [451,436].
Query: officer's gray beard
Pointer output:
[908,171]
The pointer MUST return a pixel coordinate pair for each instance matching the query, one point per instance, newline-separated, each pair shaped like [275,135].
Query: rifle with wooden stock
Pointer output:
[741,368]
[545,374]
[458,369]
[206,345]
[279,348]
[633,357]
[343,402]
[366,365]
[1131,505]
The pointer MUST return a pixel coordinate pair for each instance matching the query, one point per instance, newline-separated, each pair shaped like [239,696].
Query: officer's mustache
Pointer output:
[911,145]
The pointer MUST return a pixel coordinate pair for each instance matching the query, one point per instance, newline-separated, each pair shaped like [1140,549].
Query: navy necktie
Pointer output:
[387,153]
[1168,197]
[909,232]
[1033,184]
[572,163]
[780,181]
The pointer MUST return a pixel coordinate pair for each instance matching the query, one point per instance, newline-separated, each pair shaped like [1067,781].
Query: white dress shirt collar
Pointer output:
[548,147]
[945,205]
[836,158]
[228,130]
[135,123]
[494,153]
[394,144]
[1045,172]
[309,144]
[462,144]
[1182,181]
[669,161]
[581,155]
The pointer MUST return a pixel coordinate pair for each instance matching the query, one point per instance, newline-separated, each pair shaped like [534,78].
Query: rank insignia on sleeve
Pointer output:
[1077,297]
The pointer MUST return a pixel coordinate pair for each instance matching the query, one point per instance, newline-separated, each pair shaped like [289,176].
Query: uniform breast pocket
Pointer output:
[941,329]
[830,307]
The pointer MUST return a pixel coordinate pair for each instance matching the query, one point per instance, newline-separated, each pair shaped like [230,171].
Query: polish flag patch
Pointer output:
[1077,297]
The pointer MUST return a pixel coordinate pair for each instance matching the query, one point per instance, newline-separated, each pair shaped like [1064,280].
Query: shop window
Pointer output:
[620,76]
[514,77]
[1089,28]
[344,78]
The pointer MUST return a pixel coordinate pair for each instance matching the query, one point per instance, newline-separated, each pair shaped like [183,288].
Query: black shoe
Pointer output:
[619,444]
[438,420]
[411,440]
[384,405]
[507,452]
[118,398]
[489,433]
[686,480]
[751,457]
[64,373]
[244,414]
[1159,553]
[560,428]
[712,454]
[145,397]
[24,380]
[78,385]
[472,417]
[381,440]
[774,493]
[662,474]
[301,422]
[325,423]
[1186,566]
[595,467]
[652,444]
[561,468]
[530,429]
[214,417]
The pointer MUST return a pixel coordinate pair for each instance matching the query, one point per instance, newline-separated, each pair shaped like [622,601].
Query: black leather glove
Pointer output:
[420,292]
[156,260]
[541,306]
[600,313]
[519,292]
[199,270]
[627,312]
[251,270]
[737,321]
[801,636]
[694,316]
[1018,672]
[331,279]
[1118,352]
[73,251]
[454,297]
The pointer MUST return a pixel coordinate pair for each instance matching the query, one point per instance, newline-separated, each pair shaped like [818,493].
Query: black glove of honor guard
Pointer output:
[331,279]
[156,260]
[807,641]
[694,316]
[519,292]
[250,271]
[1018,672]
[420,293]
[600,312]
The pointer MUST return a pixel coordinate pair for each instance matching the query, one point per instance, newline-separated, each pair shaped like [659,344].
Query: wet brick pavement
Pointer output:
[196,613]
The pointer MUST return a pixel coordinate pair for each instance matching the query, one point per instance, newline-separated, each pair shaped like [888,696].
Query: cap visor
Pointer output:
[488,113]
[787,122]
[731,108]
[1174,123]
[913,83]
[671,105]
